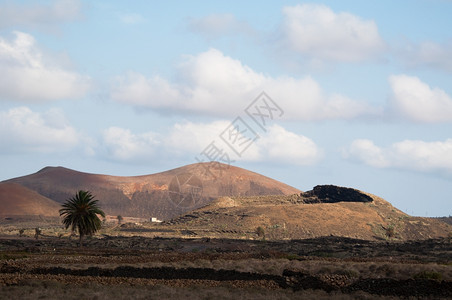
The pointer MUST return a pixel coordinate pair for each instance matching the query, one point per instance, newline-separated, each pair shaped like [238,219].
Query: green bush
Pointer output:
[390,231]
[429,275]
[292,257]
[260,231]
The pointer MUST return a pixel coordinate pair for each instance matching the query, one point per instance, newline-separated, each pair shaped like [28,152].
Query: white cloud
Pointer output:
[280,145]
[320,33]
[218,25]
[276,145]
[366,151]
[214,84]
[417,101]
[131,18]
[427,54]
[39,15]
[22,130]
[189,139]
[408,155]
[155,92]
[29,75]
[194,137]
[123,145]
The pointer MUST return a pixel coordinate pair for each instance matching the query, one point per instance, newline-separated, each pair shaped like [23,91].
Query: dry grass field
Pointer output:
[122,263]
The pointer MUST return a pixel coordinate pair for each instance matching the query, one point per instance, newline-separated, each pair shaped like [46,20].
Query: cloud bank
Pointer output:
[212,83]
[427,54]
[25,131]
[417,101]
[30,76]
[189,139]
[320,33]
[414,155]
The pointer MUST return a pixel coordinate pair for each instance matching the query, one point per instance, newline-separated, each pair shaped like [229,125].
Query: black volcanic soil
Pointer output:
[330,265]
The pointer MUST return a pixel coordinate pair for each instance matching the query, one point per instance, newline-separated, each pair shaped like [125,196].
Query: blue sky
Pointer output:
[131,88]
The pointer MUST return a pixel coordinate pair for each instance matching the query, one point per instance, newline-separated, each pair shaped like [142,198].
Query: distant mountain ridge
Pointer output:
[217,200]
[162,195]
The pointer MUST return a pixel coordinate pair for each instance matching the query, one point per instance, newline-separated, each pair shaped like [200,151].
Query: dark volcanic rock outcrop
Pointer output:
[334,194]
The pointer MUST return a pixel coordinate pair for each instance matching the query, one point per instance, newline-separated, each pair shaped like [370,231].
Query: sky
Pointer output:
[351,93]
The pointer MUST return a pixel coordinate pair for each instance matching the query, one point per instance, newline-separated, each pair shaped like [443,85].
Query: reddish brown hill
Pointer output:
[162,195]
[17,200]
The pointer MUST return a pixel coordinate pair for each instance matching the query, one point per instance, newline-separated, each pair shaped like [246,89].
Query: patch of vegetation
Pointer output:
[387,269]
[384,232]
[429,275]
[38,232]
[321,254]
[292,256]
[13,256]
[390,231]
[348,273]
[260,232]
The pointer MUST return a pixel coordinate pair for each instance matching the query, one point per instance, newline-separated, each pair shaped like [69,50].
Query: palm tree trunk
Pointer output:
[80,240]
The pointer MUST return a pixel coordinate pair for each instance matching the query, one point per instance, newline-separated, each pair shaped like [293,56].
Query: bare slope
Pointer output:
[17,200]
[293,217]
[161,195]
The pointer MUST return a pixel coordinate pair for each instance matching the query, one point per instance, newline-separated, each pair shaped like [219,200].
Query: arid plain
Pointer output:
[227,233]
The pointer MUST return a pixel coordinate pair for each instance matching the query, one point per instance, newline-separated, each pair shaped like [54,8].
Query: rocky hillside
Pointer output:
[325,211]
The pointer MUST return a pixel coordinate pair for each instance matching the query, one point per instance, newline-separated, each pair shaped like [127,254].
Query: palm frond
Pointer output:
[82,212]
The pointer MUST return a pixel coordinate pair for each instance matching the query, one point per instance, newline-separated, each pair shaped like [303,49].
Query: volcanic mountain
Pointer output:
[17,200]
[217,200]
[162,195]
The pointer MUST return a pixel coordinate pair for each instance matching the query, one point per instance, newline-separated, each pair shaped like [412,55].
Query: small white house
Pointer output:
[155,220]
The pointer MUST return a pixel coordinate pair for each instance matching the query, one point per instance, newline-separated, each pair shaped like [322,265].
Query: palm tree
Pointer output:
[81,213]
